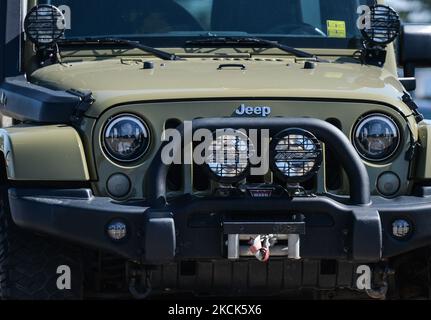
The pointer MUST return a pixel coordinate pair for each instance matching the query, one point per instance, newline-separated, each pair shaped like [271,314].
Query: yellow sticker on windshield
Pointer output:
[336,29]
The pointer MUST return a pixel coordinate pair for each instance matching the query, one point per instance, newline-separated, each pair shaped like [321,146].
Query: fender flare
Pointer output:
[43,153]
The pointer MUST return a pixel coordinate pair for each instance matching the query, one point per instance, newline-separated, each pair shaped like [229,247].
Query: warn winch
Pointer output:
[280,239]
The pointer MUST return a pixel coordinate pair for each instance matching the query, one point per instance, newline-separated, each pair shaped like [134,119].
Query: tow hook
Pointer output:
[140,285]
[260,245]
[380,292]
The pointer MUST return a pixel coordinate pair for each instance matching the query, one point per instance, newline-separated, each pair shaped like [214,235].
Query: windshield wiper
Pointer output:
[242,41]
[115,41]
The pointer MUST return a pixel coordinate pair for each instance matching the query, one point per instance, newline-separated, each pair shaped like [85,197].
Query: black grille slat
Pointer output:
[333,167]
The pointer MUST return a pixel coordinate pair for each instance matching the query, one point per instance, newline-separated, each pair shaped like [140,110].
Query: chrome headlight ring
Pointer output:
[125,138]
[376,137]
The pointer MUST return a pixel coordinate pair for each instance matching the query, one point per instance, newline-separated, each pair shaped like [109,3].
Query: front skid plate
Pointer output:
[249,276]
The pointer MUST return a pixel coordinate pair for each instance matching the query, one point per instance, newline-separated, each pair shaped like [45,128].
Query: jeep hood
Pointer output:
[120,81]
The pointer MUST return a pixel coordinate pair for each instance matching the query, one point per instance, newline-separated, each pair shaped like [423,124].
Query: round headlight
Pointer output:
[383,25]
[44,24]
[376,137]
[296,155]
[228,155]
[125,138]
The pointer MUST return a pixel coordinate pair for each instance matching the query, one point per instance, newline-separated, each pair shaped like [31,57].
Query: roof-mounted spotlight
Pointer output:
[382,25]
[44,25]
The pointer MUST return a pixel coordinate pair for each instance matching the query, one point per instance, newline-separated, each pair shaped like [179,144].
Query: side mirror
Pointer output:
[414,48]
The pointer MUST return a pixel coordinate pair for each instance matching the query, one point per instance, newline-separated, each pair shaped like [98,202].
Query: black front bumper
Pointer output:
[168,235]
[192,229]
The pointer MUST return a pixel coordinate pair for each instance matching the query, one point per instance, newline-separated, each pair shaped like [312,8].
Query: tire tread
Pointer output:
[29,262]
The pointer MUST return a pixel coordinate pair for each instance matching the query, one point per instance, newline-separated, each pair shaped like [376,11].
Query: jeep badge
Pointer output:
[260,111]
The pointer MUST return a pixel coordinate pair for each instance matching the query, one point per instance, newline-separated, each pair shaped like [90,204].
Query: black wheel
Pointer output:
[31,265]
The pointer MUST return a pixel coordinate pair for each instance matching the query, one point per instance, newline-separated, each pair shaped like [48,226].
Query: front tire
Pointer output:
[29,264]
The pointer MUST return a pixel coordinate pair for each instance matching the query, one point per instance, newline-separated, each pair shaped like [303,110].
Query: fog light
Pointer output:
[228,156]
[388,184]
[401,228]
[117,230]
[296,155]
[118,185]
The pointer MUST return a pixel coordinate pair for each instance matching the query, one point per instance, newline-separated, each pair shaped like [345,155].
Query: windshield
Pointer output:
[171,23]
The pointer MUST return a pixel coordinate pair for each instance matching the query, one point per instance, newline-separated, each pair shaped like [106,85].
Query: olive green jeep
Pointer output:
[212,147]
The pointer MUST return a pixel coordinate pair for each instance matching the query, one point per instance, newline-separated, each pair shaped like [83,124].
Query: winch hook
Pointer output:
[260,245]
